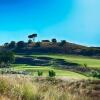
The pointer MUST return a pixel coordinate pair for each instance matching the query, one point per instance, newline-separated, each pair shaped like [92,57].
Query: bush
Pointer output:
[52,73]
[85,65]
[6,58]
[40,73]
[95,74]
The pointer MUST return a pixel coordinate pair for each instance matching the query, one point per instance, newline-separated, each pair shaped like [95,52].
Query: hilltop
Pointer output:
[47,46]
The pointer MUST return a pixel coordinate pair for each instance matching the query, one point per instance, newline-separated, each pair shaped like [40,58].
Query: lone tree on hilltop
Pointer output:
[33,36]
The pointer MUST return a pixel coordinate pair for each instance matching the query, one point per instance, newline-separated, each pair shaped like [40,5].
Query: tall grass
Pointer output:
[27,88]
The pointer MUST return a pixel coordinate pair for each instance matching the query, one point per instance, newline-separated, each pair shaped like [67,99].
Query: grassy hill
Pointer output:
[62,47]
[73,78]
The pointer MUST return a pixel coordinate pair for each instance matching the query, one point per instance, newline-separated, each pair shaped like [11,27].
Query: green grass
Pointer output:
[59,72]
[91,62]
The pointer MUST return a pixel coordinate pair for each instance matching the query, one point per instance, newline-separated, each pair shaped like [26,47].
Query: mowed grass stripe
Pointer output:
[59,72]
[91,62]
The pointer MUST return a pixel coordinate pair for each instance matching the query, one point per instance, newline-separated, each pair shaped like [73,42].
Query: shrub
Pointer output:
[85,65]
[52,73]
[95,74]
[40,73]
[6,58]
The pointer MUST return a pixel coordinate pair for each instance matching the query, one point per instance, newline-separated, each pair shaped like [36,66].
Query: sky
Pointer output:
[76,21]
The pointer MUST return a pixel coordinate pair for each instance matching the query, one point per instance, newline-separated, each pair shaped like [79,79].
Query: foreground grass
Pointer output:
[91,62]
[13,87]
[59,72]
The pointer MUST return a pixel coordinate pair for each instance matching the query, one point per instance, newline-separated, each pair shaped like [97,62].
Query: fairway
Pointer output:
[91,62]
[59,72]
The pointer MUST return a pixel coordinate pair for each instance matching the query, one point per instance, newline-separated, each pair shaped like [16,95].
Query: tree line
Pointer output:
[50,46]
[22,44]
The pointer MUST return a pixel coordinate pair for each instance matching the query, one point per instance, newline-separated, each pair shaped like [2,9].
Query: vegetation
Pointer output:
[95,74]
[63,42]
[27,88]
[6,58]
[40,73]
[52,73]
[62,67]
[88,61]
[54,40]
[33,36]
[61,74]
[37,44]
[53,46]
[12,44]
[20,44]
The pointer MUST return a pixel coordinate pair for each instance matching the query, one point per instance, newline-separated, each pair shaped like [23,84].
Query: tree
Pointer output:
[6,58]
[12,44]
[37,44]
[6,44]
[54,40]
[21,44]
[62,43]
[33,36]
[29,41]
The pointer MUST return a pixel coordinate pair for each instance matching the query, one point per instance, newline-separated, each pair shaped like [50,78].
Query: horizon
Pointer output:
[71,20]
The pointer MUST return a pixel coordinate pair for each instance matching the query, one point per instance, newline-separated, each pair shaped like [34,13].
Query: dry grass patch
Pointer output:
[15,87]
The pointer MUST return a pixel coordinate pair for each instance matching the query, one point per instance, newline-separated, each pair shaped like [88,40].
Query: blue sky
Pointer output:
[76,21]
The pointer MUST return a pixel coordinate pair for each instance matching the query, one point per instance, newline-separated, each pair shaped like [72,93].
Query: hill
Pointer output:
[47,46]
